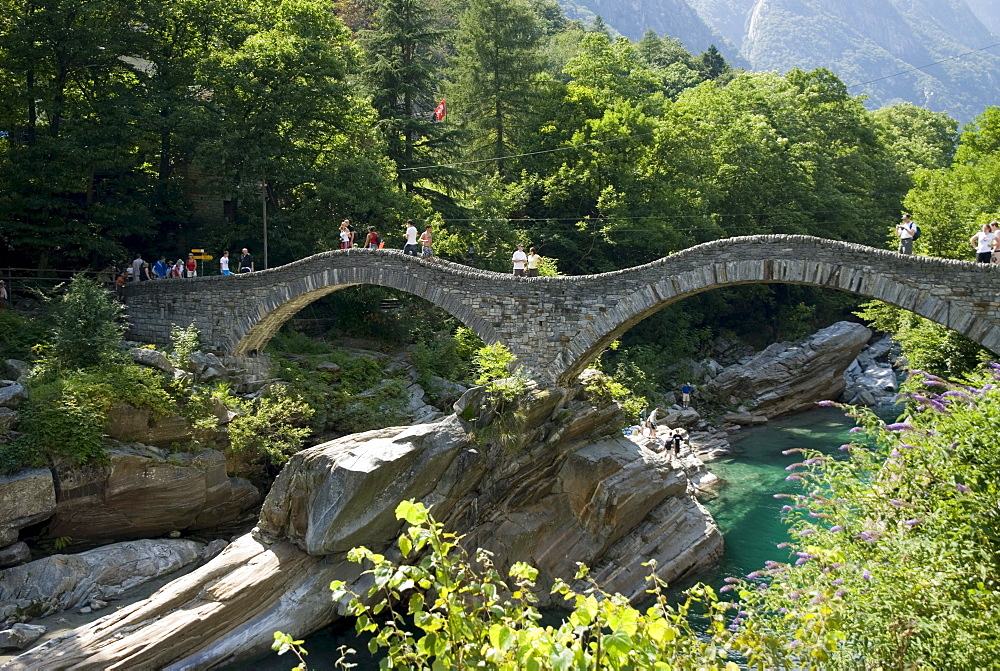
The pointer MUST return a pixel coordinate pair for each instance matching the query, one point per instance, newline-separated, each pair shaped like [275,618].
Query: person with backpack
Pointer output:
[908,231]
[372,241]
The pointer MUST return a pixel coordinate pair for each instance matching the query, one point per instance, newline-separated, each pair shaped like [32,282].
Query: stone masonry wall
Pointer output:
[557,325]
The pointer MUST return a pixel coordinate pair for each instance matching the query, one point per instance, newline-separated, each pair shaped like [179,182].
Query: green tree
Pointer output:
[402,71]
[497,58]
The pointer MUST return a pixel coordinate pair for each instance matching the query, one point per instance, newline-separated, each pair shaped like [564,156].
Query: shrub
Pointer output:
[894,547]
[18,335]
[66,413]
[87,325]
[493,362]
[465,615]
[603,388]
[185,342]
[268,428]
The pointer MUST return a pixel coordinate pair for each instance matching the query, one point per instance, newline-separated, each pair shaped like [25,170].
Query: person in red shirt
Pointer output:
[191,266]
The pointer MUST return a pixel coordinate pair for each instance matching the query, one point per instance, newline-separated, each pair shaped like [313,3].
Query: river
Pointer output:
[745,510]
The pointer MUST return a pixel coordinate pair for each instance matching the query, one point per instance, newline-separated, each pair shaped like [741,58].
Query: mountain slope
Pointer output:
[890,50]
[674,18]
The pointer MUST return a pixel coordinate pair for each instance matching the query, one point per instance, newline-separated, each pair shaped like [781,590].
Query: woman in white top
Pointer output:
[224,263]
[983,242]
[345,236]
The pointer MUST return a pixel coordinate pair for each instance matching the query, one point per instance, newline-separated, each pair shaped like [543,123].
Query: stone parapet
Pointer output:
[557,325]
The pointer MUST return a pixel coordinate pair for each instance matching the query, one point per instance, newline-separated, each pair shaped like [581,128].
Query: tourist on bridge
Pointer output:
[137,268]
[426,242]
[178,269]
[907,231]
[120,286]
[345,235]
[191,267]
[161,269]
[411,239]
[995,227]
[534,260]
[246,261]
[520,260]
[224,263]
[983,242]
[372,241]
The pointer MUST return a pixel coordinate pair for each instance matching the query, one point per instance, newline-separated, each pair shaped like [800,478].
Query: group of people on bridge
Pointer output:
[986,241]
[140,270]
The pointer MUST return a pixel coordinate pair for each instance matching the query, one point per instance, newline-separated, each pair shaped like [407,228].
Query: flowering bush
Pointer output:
[893,558]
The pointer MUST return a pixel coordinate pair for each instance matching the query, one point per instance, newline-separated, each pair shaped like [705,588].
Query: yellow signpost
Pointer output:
[204,257]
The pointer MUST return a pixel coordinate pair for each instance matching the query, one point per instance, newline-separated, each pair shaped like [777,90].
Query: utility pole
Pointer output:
[263,206]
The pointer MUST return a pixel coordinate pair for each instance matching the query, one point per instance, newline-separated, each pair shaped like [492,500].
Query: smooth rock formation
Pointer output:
[62,582]
[144,491]
[15,369]
[871,379]
[20,636]
[9,419]
[785,377]
[553,485]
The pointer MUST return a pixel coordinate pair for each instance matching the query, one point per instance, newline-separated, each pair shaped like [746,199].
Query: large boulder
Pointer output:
[140,425]
[12,394]
[152,358]
[15,369]
[15,554]
[548,484]
[9,420]
[26,497]
[20,636]
[61,582]
[788,377]
[144,491]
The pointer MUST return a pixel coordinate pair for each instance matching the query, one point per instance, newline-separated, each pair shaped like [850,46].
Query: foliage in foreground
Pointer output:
[467,615]
[894,548]
[892,565]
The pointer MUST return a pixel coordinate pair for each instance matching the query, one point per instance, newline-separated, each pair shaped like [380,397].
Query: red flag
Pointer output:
[440,111]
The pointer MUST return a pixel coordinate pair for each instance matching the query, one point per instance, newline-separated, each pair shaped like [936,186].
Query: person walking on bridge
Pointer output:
[246,261]
[426,244]
[411,239]
[520,260]
[983,242]
[906,230]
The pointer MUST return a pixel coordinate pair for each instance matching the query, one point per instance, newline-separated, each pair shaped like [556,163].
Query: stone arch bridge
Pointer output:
[557,325]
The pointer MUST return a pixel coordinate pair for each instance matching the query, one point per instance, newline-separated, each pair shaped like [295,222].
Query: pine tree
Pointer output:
[402,75]
[497,60]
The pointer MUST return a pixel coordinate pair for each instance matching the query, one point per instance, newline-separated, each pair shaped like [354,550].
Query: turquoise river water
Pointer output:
[745,510]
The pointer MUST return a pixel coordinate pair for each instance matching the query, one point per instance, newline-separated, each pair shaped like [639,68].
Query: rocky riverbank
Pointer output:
[567,488]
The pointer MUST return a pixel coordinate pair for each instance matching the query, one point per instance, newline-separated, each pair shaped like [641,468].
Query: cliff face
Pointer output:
[675,18]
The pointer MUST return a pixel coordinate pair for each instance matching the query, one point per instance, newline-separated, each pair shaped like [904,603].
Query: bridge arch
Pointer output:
[960,295]
[558,325]
[288,298]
